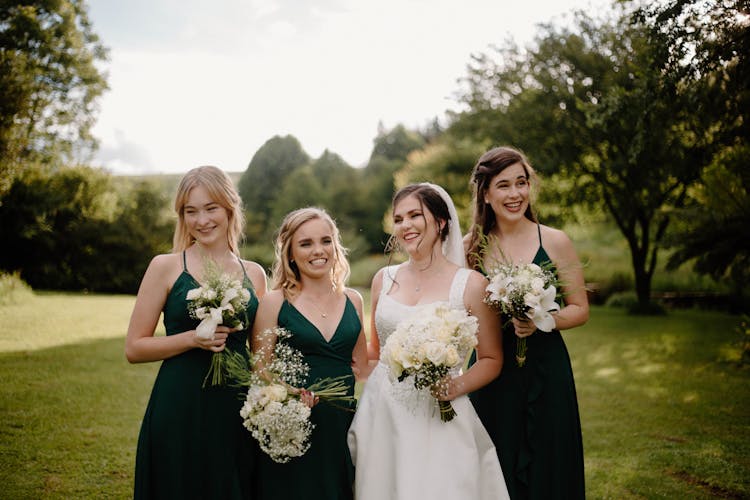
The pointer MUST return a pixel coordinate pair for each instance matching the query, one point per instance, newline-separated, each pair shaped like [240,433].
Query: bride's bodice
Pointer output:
[389,311]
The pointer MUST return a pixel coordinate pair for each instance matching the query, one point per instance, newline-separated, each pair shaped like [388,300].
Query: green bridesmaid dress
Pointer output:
[325,471]
[192,444]
[531,414]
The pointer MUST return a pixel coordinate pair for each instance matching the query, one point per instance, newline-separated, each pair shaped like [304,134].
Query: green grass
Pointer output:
[664,408]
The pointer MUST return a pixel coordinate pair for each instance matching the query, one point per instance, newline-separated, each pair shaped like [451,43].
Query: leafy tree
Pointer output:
[67,229]
[708,45]
[49,83]
[447,162]
[260,185]
[395,144]
[599,104]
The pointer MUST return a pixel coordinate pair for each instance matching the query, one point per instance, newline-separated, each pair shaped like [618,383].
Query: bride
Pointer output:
[400,447]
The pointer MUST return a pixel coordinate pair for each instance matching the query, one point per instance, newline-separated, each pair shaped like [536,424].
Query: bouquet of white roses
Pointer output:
[220,301]
[273,411]
[428,344]
[524,291]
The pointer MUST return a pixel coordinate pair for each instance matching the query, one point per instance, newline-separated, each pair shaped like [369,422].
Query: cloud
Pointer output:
[124,156]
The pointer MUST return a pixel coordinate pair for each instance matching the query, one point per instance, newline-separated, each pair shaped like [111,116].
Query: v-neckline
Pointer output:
[317,329]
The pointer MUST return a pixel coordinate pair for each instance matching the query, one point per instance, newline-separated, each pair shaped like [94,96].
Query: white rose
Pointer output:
[194,293]
[435,352]
[276,392]
[451,356]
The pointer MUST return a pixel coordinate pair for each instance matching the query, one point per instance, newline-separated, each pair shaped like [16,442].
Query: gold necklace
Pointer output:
[323,313]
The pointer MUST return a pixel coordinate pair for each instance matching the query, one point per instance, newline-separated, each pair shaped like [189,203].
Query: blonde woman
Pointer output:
[192,443]
[309,299]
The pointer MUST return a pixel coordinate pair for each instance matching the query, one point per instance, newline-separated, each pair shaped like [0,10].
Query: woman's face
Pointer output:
[508,193]
[313,249]
[414,226]
[206,220]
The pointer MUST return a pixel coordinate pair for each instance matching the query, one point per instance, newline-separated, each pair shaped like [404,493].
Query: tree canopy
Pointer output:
[49,83]
[600,104]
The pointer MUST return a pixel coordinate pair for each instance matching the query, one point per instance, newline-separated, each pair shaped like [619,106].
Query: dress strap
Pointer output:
[388,274]
[184,261]
[456,296]
[539,230]
[242,266]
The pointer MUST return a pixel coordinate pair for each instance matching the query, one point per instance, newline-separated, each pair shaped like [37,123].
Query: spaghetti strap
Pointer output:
[539,230]
[243,267]
[184,261]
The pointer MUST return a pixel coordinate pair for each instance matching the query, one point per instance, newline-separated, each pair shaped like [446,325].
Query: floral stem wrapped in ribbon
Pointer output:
[273,412]
[524,291]
[427,345]
[222,300]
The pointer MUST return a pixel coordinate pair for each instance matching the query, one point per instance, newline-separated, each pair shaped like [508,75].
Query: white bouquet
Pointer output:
[273,411]
[524,291]
[278,421]
[222,300]
[428,344]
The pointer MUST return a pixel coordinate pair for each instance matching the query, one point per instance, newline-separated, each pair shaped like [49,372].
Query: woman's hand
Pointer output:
[523,327]
[308,397]
[447,389]
[218,343]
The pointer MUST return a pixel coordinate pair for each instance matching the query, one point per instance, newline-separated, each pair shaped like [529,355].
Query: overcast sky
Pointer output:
[196,82]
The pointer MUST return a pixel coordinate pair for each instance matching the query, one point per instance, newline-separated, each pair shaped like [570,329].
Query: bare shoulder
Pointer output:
[167,266]
[476,283]
[354,296]
[555,241]
[256,273]
[274,298]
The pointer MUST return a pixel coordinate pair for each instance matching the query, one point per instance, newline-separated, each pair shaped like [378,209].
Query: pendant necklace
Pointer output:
[323,314]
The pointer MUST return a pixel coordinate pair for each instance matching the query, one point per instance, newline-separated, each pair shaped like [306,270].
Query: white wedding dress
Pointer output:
[400,447]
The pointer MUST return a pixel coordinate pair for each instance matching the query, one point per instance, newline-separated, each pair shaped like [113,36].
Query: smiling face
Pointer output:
[508,193]
[313,249]
[414,227]
[206,220]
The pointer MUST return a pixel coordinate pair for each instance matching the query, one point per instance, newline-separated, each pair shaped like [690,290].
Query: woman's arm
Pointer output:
[490,347]
[373,346]
[575,311]
[140,344]
[360,362]
[266,318]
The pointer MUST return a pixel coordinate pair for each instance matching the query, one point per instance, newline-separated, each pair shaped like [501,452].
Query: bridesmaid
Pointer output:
[192,443]
[309,299]
[531,412]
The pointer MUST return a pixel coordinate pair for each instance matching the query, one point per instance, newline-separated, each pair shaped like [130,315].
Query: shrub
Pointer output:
[13,289]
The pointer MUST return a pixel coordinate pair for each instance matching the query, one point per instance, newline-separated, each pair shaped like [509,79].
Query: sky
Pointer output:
[194,82]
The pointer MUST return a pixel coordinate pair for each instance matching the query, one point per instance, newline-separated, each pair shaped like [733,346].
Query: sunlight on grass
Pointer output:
[663,413]
[54,319]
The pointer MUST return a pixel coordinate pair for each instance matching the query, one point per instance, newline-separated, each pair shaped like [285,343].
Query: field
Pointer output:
[665,405]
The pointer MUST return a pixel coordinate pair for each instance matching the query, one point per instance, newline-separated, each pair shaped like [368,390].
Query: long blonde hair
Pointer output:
[221,190]
[285,274]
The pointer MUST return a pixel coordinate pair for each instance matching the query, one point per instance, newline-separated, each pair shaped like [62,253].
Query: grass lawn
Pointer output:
[665,412]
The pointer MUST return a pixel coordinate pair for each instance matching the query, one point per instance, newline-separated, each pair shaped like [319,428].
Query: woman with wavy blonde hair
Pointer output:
[192,443]
[310,300]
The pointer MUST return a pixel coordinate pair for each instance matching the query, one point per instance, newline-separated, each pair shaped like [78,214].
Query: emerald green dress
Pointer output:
[192,444]
[325,471]
[531,414]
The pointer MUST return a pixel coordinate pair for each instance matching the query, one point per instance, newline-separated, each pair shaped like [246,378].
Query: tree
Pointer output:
[395,144]
[597,104]
[708,44]
[49,83]
[260,185]
[447,162]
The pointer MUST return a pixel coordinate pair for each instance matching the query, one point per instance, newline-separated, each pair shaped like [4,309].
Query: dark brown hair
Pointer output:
[488,166]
